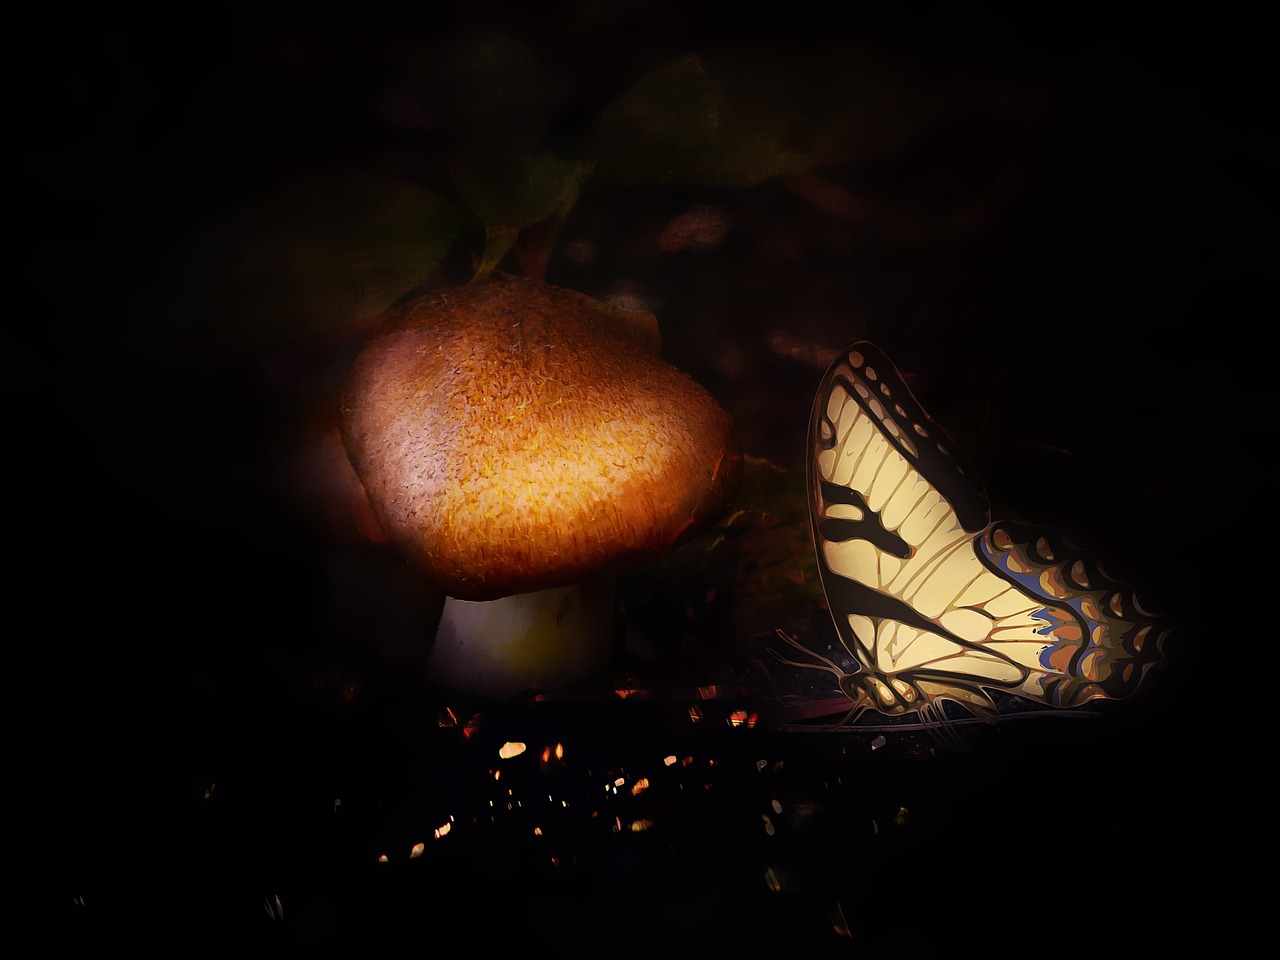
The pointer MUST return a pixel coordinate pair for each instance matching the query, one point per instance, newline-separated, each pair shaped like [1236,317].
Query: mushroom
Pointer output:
[522,443]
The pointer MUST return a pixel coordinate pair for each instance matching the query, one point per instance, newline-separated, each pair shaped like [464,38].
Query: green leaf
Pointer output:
[519,191]
[747,116]
[319,257]
[498,242]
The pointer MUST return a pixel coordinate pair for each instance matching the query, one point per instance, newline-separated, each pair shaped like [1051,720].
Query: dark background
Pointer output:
[1068,256]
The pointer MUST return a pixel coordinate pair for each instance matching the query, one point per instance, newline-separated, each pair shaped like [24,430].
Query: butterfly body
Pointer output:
[933,601]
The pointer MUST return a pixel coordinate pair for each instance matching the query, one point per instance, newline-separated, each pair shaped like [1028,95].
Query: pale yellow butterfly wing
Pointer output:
[933,601]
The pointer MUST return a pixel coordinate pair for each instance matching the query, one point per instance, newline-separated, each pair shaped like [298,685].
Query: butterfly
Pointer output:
[933,601]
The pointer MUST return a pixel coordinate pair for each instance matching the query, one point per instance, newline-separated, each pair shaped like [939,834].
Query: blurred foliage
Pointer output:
[705,610]
[519,192]
[516,138]
[746,116]
[511,193]
[770,544]
[492,93]
[527,139]
[315,257]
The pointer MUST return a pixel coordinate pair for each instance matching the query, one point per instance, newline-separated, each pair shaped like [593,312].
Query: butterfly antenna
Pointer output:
[860,705]
[830,665]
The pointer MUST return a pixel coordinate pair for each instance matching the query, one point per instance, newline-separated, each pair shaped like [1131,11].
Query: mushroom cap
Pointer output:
[514,436]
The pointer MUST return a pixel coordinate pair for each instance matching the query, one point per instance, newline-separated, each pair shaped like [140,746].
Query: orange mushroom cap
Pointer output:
[514,436]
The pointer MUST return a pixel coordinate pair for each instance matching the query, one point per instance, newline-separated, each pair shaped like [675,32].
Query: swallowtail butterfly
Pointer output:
[932,600]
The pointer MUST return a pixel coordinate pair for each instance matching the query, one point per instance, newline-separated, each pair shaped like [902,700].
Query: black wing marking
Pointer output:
[932,600]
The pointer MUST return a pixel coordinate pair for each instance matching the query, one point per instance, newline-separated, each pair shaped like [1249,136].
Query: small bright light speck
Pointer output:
[771,879]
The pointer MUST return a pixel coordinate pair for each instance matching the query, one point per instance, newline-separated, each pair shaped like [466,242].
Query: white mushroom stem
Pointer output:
[548,639]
